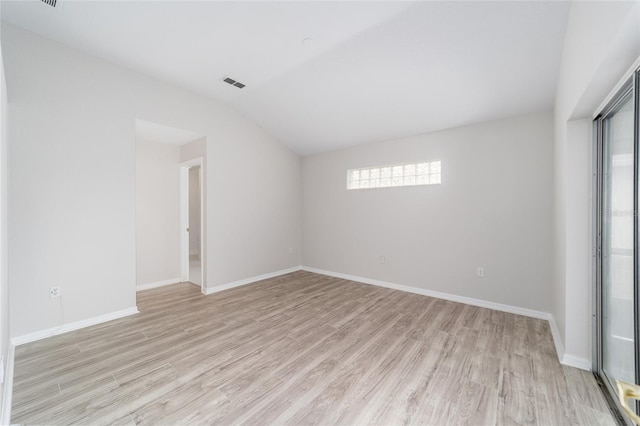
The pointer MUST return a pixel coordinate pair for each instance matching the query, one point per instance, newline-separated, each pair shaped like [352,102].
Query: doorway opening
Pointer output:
[167,158]
[191,214]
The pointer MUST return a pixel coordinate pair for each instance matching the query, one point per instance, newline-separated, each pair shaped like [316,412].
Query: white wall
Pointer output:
[72,183]
[195,149]
[602,41]
[194,210]
[578,234]
[157,212]
[4,275]
[492,210]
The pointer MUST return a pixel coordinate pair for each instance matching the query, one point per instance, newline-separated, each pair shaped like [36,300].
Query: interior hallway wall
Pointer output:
[157,212]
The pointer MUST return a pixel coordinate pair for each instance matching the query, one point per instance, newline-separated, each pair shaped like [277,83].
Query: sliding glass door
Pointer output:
[617,239]
[618,354]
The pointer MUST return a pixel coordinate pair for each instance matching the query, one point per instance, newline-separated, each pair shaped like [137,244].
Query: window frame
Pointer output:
[392,178]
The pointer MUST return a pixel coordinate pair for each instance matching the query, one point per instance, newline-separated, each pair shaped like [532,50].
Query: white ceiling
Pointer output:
[372,70]
[164,134]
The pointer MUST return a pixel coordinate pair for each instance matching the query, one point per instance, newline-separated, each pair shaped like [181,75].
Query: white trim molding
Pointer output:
[252,280]
[157,284]
[65,328]
[564,358]
[575,361]
[7,391]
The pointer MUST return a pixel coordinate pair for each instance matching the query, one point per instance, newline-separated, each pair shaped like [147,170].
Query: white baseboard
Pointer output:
[43,334]
[7,391]
[157,284]
[438,295]
[234,284]
[557,339]
[577,362]
[564,358]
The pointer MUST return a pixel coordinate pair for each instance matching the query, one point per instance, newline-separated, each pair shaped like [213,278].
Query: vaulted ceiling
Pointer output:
[325,75]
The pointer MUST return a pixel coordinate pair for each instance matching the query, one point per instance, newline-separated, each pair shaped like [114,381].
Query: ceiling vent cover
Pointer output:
[51,3]
[229,80]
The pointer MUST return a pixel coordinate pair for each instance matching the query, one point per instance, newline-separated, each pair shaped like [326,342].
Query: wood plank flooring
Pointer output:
[303,349]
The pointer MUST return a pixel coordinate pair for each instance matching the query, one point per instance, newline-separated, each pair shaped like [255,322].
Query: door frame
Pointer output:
[184,221]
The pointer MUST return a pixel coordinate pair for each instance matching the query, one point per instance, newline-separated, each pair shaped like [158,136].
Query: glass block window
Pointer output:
[399,175]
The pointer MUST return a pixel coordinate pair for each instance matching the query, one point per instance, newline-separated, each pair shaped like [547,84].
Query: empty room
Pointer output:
[320,212]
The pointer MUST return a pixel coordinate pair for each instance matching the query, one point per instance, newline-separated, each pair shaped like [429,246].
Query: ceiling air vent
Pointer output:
[230,81]
[51,3]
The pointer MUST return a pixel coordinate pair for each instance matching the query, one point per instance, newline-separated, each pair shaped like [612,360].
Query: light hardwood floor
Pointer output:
[303,349]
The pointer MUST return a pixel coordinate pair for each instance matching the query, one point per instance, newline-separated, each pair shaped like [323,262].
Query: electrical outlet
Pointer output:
[54,292]
[480,272]
[290,250]
[383,259]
